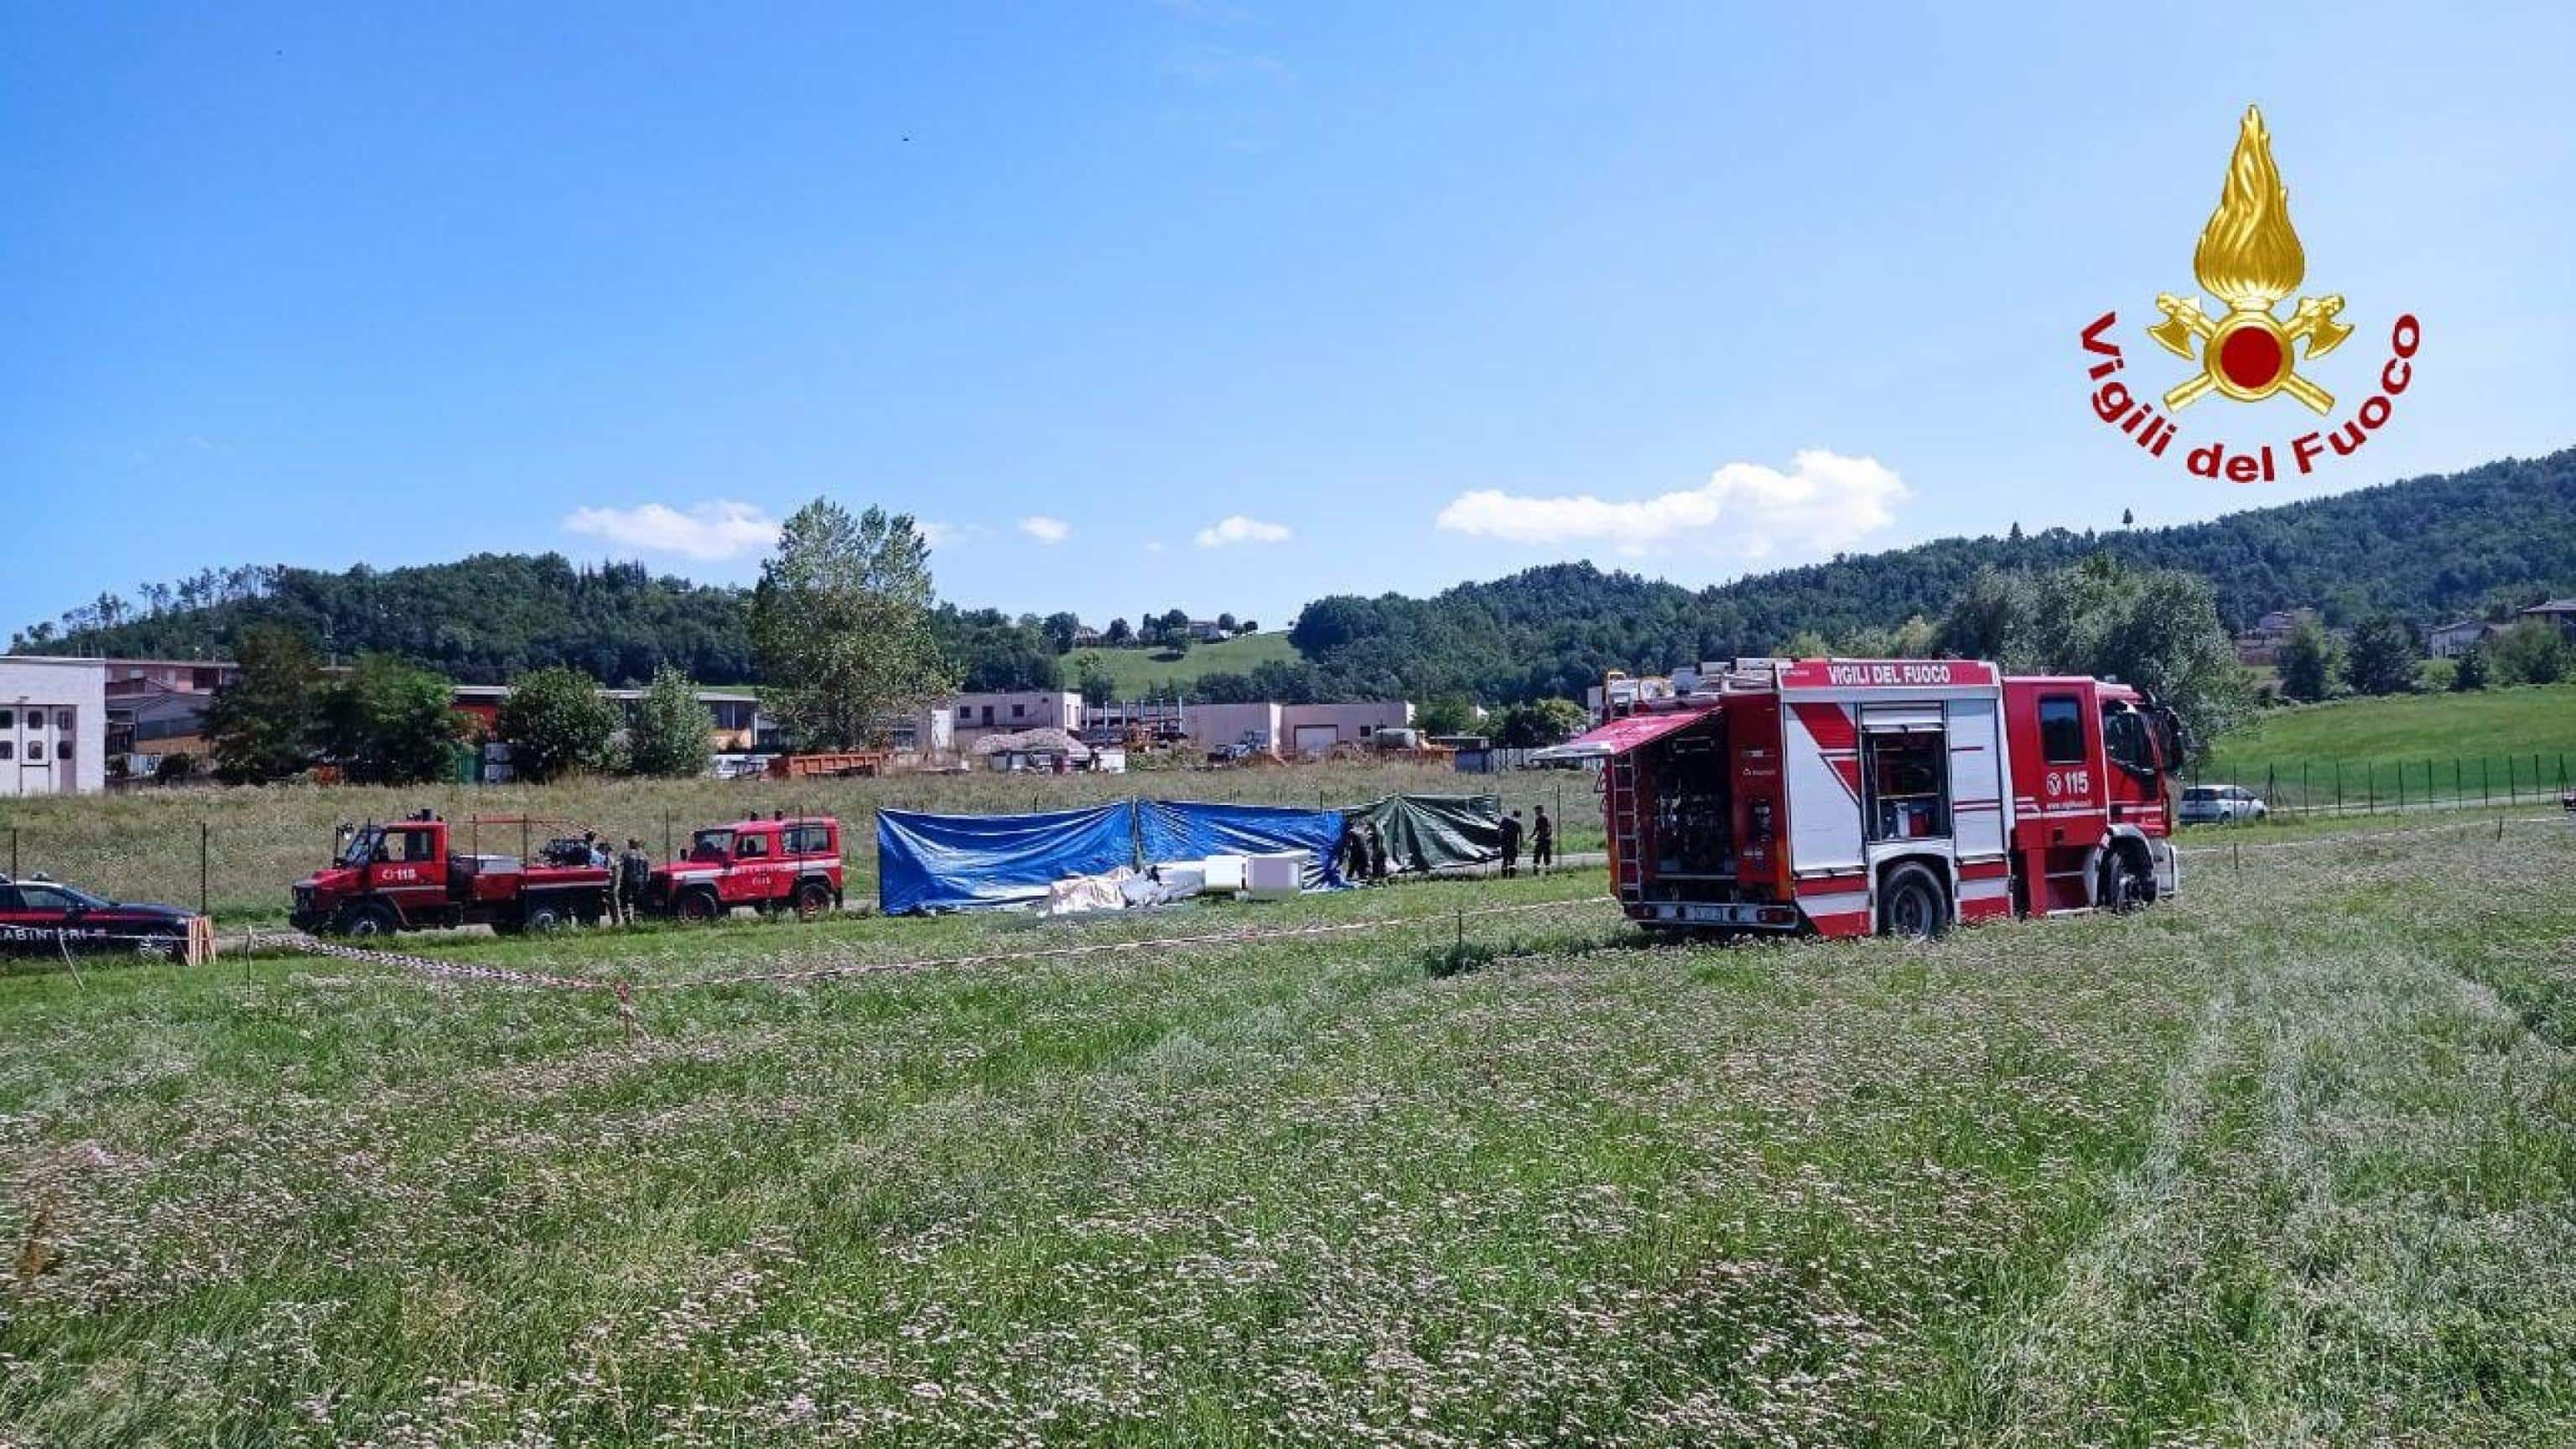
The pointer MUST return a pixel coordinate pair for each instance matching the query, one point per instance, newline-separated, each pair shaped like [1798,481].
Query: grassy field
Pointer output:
[144,846]
[2491,735]
[2289,1161]
[1144,672]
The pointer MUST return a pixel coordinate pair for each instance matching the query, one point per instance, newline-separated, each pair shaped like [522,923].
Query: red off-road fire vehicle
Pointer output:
[778,864]
[404,876]
[1843,796]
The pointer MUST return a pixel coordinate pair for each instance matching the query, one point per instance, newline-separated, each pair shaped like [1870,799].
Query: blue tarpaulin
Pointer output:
[968,862]
[1190,830]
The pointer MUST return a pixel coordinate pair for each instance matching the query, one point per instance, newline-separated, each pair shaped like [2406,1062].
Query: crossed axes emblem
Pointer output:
[2248,354]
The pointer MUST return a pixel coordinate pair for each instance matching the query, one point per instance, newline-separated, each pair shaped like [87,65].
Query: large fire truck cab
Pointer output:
[1845,796]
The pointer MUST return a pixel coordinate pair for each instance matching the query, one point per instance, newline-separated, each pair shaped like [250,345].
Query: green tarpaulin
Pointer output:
[1435,832]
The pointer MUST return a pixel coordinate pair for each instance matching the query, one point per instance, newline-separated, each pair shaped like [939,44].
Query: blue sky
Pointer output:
[1207,304]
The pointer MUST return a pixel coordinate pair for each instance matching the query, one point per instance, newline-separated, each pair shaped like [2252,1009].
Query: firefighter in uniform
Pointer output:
[634,872]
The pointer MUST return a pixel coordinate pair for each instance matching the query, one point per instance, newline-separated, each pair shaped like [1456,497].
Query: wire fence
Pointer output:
[2327,788]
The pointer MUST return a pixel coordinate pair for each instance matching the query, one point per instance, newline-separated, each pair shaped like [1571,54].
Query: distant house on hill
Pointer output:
[1206,631]
[2561,612]
[2261,644]
[2452,640]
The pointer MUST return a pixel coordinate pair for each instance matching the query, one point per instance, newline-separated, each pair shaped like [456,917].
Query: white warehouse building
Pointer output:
[53,726]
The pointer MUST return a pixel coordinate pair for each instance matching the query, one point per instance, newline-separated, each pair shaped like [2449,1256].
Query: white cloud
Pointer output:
[939,534]
[1045,529]
[714,530]
[1824,503]
[1153,545]
[1239,529]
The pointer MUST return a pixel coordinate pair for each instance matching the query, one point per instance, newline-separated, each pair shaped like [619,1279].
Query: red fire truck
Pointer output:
[1845,796]
[777,864]
[402,876]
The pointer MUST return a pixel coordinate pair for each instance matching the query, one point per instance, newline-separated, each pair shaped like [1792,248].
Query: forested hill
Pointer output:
[481,620]
[2430,548]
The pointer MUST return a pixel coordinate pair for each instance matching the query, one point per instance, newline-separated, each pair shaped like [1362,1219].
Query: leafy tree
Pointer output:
[174,769]
[2311,662]
[1287,682]
[1119,635]
[260,727]
[1096,684]
[2531,652]
[2154,628]
[1982,619]
[1544,722]
[556,722]
[1225,622]
[1251,626]
[385,722]
[987,651]
[1450,714]
[2382,658]
[1059,629]
[1806,644]
[841,624]
[671,732]
[2469,670]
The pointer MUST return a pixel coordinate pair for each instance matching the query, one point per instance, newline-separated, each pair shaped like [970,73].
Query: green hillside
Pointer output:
[1144,672]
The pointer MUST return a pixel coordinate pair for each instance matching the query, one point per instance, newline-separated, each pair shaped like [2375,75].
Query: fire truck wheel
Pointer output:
[543,918]
[1912,904]
[367,920]
[813,898]
[698,906]
[2128,880]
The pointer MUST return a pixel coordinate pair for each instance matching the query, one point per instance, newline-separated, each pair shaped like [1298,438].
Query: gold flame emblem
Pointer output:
[2249,257]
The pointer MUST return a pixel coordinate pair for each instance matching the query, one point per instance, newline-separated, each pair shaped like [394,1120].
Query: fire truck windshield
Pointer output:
[361,847]
[711,845]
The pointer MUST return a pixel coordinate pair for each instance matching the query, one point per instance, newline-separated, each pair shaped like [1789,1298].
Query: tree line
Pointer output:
[841,622]
[2384,654]
[2479,543]
[384,721]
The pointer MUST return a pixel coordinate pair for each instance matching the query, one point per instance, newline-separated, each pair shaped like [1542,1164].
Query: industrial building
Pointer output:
[53,725]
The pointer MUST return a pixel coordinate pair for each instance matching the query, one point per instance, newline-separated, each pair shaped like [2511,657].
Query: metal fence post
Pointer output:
[2338,777]
[205,846]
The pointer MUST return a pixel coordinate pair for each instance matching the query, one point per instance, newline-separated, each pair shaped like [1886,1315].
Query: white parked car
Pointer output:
[2221,805]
